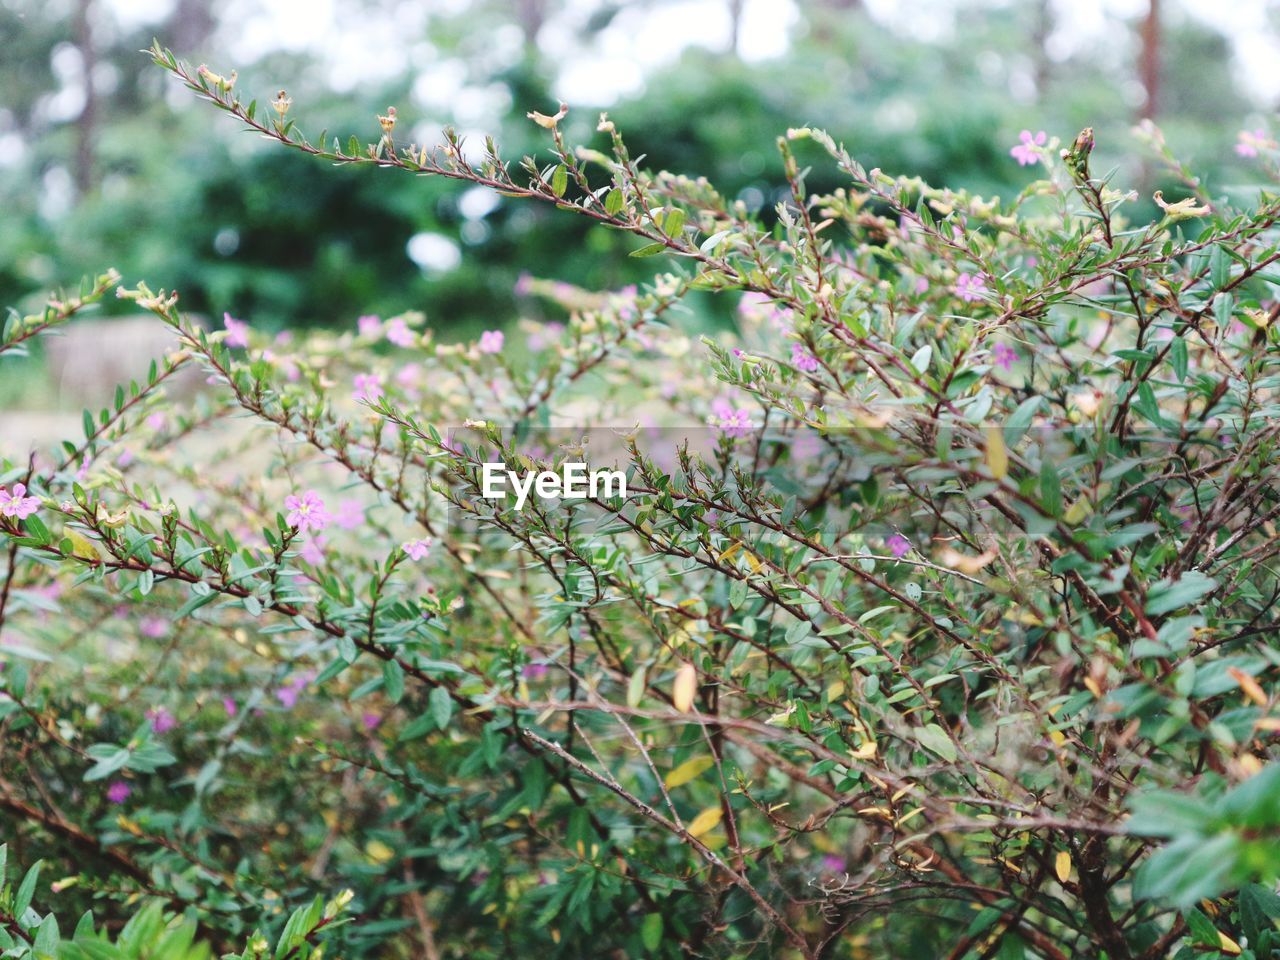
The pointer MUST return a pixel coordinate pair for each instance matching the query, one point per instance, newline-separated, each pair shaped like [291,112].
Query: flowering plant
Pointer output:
[944,627]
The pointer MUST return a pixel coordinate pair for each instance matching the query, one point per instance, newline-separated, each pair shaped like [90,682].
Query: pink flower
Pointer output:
[548,334]
[491,341]
[153,627]
[157,421]
[1003,355]
[229,705]
[735,422]
[349,515]
[534,671]
[288,694]
[1025,152]
[369,325]
[118,791]
[970,286]
[1252,141]
[284,364]
[524,285]
[833,864]
[237,331]
[18,504]
[162,721]
[417,549]
[898,545]
[313,551]
[398,332]
[409,374]
[370,721]
[803,360]
[306,512]
[368,387]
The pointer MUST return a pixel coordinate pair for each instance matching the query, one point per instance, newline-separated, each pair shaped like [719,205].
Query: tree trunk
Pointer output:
[86,123]
[1150,65]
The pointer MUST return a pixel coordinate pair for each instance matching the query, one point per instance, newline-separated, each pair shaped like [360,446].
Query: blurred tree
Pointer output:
[302,246]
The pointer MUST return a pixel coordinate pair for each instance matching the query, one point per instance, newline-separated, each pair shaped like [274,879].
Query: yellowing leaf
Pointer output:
[1227,945]
[866,751]
[704,822]
[1078,511]
[81,546]
[636,687]
[729,551]
[1252,689]
[997,453]
[953,558]
[378,851]
[686,685]
[542,120]
[689,770]
[1062,865]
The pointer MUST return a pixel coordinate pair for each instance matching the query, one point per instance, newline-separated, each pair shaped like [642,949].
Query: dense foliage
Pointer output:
[937,619]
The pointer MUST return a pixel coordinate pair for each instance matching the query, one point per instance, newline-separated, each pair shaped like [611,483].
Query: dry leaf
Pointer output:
[953,558]
[997,453]
[685,686]
[689,770]
[1252,689]
[542,120]
[704,822]
[1062,866]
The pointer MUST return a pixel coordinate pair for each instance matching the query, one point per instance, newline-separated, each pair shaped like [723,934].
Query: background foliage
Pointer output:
[939,620]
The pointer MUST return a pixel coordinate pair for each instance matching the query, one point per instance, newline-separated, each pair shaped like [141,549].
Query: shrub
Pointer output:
[936,618]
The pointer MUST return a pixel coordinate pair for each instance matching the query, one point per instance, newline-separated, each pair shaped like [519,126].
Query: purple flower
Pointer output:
[349,515]
[229,705]
[157,421]
[313,551]
[398,332]
[1251,141]
[306,512]
[524,285]
[833,864]
[1025,152]
[547,335]
[18,504]
[118,791]
[802,359]
[370,721]
[288,694]
[237,331]
[162,721]
[898,545]
[1003,355]
[970,286]
[735,422]
[369,325]
[417,549]
[491,341]
[534,671]
[153,627]
[368,387]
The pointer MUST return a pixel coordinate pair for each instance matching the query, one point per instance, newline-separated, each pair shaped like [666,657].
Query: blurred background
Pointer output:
[105,161]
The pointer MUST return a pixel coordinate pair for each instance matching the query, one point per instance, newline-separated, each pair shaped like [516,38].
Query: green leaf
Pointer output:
[649,249]
[26,890]
[651,931]
[441,704]
[560,181]
[392,680]
[1169,595]
[932,737]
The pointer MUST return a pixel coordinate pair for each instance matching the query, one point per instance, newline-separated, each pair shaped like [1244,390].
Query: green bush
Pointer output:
[936,618]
